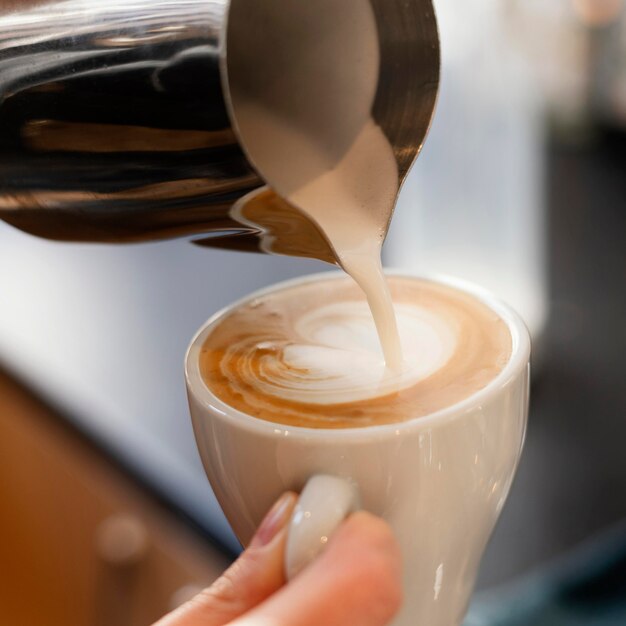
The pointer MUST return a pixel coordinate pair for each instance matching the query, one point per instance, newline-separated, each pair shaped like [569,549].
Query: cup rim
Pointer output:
[518,361]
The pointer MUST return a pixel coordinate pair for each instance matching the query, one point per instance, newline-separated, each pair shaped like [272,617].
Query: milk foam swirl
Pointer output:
[310,356]
[334,355]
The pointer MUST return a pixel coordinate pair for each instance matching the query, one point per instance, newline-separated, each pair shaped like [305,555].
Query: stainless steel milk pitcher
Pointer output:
[116,117]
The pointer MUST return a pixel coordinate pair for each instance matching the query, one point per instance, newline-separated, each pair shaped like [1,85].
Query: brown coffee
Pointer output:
[309,356]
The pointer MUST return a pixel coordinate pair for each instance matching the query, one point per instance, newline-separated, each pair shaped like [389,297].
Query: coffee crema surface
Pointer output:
[309,355]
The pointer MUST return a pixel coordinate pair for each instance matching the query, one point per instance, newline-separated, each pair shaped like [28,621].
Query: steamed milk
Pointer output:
[321,149]
[309,355]
[364,185]
[351,203]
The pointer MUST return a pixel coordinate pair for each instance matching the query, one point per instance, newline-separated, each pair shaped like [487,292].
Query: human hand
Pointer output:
[356,580]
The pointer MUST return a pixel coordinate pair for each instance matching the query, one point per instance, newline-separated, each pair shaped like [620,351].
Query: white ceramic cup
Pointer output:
[440,481]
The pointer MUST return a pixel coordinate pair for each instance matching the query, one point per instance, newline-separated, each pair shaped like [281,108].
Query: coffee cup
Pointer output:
[439,480]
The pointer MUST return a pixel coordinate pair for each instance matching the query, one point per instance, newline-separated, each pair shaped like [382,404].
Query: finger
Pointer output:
[256,575]
[356,580]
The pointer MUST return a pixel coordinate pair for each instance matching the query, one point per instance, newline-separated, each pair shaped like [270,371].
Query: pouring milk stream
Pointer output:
[342,175]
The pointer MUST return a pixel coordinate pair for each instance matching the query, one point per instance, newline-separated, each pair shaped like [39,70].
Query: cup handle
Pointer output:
[324,503]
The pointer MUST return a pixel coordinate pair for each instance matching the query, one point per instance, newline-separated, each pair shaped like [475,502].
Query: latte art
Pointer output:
[333,355]
[310,355]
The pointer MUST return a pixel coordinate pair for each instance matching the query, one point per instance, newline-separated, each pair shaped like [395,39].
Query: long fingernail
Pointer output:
[275,520]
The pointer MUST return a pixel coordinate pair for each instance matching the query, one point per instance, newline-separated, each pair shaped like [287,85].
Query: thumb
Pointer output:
[356,580]
[252,578]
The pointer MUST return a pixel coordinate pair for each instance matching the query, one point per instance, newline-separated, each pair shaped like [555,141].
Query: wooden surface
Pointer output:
[80,544]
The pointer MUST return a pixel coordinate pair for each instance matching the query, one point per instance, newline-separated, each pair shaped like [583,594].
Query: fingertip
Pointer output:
[372,529]
[366,531]
[275,520]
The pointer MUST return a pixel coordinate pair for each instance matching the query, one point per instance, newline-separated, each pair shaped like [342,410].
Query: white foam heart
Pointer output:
[336,357]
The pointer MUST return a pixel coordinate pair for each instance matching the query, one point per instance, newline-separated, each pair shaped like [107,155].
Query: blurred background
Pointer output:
[105,513]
